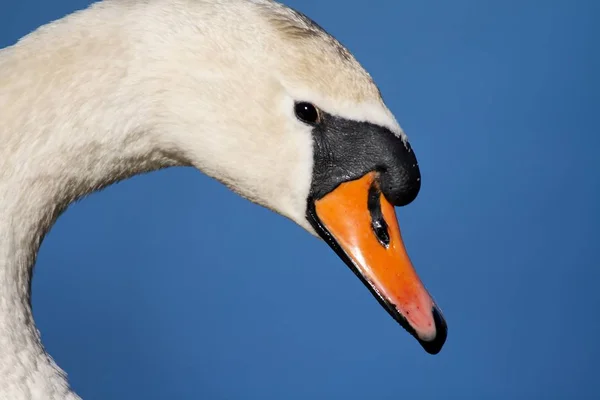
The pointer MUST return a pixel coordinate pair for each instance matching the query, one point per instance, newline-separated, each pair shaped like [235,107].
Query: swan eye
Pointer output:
[306,112]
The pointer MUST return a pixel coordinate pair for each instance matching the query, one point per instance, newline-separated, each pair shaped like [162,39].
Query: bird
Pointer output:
[251,93]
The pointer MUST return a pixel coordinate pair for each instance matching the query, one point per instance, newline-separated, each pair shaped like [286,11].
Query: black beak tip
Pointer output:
[435,345]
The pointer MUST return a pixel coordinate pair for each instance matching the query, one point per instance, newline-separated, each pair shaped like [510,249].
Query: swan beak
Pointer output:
[358,222]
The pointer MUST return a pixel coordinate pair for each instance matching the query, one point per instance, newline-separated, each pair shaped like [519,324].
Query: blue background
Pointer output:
[168,286]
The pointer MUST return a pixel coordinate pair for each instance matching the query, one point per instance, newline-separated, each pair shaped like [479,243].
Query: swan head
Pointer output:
[279,111]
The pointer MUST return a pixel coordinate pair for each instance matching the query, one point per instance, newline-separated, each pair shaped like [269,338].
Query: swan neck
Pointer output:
[37,184]
[55,150]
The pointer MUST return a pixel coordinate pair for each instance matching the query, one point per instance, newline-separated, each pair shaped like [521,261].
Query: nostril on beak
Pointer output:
[378,224]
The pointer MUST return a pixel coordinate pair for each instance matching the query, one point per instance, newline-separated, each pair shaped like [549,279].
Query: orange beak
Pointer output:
[360,224]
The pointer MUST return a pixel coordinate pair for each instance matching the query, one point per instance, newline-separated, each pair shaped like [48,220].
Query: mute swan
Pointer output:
[249,92]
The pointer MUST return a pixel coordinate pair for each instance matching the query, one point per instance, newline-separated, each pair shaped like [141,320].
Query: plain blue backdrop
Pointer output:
[168,286]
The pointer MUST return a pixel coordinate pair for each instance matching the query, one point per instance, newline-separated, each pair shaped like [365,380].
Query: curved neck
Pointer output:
[59,143]
[34,191]
[36,186]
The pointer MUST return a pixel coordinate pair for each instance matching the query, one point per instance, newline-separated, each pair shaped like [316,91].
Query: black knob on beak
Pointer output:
[346,150]
[400,179]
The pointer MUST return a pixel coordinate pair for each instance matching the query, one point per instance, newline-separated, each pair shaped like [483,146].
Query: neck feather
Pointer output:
[36,186]
[67,130]
[34,191]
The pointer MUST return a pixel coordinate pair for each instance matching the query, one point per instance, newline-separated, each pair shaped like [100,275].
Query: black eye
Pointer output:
[306,112]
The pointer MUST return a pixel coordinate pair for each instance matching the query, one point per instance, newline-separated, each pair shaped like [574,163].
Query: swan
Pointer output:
[249,92]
